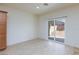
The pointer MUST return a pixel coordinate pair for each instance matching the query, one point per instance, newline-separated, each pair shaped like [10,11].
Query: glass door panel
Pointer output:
[59,30]
[51,33]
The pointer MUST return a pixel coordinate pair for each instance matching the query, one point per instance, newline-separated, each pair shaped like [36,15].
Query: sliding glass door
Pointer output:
[56,29]
[51,30]
[59,31]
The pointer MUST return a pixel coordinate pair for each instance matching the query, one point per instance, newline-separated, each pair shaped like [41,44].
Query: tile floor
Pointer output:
[40,47]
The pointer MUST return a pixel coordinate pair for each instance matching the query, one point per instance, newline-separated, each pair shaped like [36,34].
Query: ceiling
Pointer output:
[31,7]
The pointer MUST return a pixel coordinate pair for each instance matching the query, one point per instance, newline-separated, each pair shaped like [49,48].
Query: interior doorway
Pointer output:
[56,29]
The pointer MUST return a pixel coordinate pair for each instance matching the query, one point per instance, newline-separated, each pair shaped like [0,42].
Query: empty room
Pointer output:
[39,28]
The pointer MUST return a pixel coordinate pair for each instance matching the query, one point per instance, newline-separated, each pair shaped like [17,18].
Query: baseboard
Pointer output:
[20,42]
[75,48]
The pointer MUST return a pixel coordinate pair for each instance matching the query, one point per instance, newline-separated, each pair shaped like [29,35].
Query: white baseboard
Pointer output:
[20,42]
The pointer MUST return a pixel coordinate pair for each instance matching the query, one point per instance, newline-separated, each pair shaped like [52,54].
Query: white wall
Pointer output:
[71,24]
[21,26]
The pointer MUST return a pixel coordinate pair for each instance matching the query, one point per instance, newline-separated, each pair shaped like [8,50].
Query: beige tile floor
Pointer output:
[40,47]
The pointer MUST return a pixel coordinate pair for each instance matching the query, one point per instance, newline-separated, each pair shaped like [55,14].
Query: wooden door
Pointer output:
[3,28]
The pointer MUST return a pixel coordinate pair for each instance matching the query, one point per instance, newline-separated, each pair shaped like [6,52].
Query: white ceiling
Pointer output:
[31,7]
